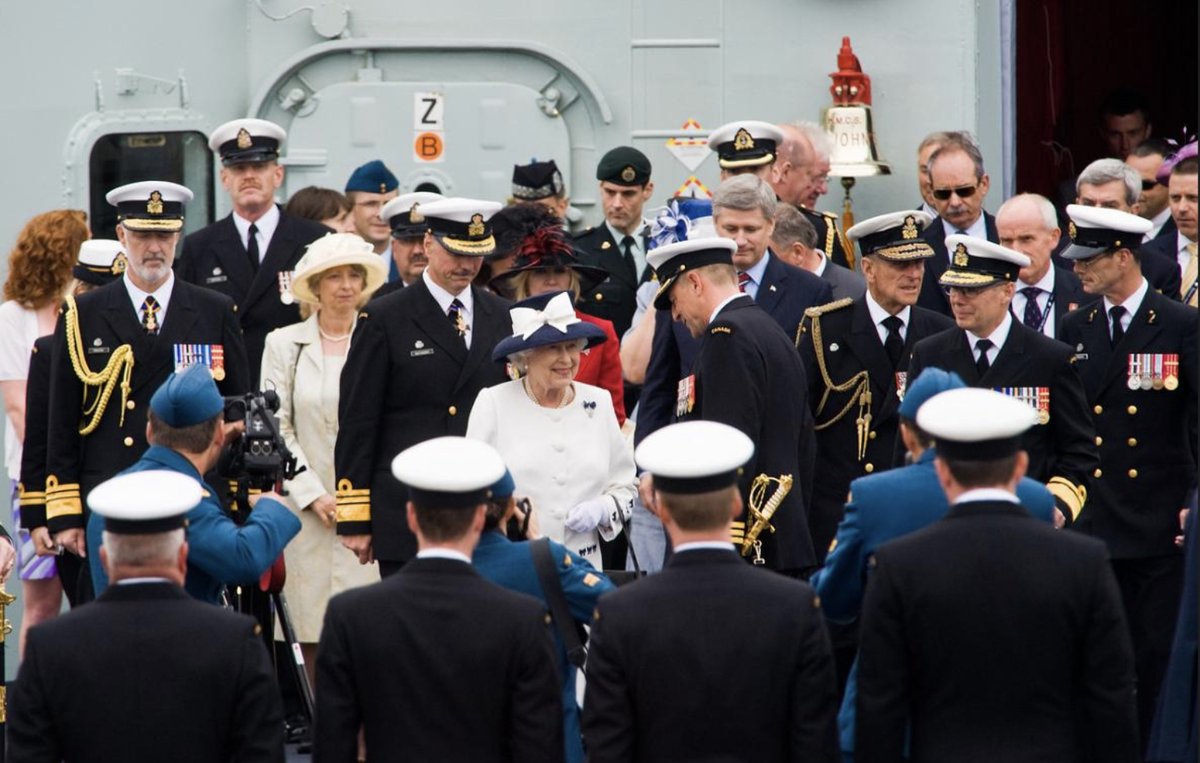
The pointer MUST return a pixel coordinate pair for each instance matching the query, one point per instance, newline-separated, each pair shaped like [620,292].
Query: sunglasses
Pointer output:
[966,192]
[1149,185]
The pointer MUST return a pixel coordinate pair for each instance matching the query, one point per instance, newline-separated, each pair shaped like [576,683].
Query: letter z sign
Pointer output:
[429,137]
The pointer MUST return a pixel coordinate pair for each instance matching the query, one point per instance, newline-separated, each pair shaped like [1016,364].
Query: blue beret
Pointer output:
[187,397]
[372,177]
[932,381]
[504,487]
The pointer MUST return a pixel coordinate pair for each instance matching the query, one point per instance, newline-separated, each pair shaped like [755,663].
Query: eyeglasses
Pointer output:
[966,192]
[1090,261]
[1150,185]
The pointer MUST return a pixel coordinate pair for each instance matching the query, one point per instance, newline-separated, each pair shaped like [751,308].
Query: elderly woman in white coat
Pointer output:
[559,437]
[303,363]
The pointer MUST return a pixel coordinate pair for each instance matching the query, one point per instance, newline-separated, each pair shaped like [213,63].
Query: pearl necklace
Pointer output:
[341,338]
[568,396]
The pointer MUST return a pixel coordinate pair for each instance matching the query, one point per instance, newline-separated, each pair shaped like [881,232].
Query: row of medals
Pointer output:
[1146,374]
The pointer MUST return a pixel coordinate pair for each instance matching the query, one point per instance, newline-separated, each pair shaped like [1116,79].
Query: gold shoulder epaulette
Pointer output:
[828,216]
[828,307]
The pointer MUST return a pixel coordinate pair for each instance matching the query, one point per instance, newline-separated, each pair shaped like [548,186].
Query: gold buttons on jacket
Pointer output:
[1099,409]
[130,405]
[1097,474]
[869,468]
[1133,474]
[1099,441]
[871,436]
[599,297]
[452,410]
[128,442]
[1133,442]
[1132,410]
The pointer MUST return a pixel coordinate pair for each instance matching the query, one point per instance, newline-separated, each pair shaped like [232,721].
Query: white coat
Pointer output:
[559,457]
[307,380]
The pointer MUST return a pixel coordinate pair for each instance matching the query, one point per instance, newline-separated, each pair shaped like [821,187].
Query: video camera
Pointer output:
[259,457]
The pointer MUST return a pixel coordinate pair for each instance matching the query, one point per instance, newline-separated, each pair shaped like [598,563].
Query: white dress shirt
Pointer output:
[756,273]
[879,315]
[987,494]
[978,229]
[997,338]
[637,250]
[1156,223]
[1131,305]
[443,553]
[1046,284]
[703,544]
[162,295]
[444,298]
[266,228]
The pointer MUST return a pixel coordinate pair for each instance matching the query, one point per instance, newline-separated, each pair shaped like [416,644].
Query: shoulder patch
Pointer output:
[566,560]
[828,307]
[721,330]
[828,216]
[362,316]
[591,580]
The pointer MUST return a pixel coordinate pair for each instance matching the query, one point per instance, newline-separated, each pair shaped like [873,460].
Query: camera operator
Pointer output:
[504,557]
[187,433]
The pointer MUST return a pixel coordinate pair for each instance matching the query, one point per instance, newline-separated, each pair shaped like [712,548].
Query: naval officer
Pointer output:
[407,221]
[115,345]
[749,375]
[990,348]
[886,506]
[249,256]
[146,672]
[709,659]
[417,360]
[435,662]
[1136,352]
[989,636]
[856,355]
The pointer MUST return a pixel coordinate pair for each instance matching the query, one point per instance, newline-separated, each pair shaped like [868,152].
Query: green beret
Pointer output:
[624,165]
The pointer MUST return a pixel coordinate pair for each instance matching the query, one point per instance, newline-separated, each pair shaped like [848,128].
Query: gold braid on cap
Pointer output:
[119,367]
[858,385]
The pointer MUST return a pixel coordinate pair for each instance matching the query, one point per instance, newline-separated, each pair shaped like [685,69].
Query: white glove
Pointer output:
[589,514]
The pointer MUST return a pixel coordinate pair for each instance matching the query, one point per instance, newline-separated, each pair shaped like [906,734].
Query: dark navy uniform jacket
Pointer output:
[437,664]
[214,257]
[1064,446]
[991,637]
[408,378]
[850,345]
[510,565]
[146,672]
[107,320]
[710,660]
[748,375]
[883,507]
[1146,438]
[220,552]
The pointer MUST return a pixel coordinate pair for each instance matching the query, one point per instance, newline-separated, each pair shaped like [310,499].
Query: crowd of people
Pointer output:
[960,447]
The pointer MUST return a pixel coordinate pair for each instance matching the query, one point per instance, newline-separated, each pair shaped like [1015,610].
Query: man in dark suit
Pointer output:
[146,672]
[417,361]
[856,355]
[1179,247]
[886,506]
[1147,159]
[1028,223]
[989,636]
[1112,184]
[436,663]
[990,348]
[664,688]
[747,374]
[618,245]
[960,186]
[794,240]
[249,256]
[134,331]
[800,176]
[1136,351]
